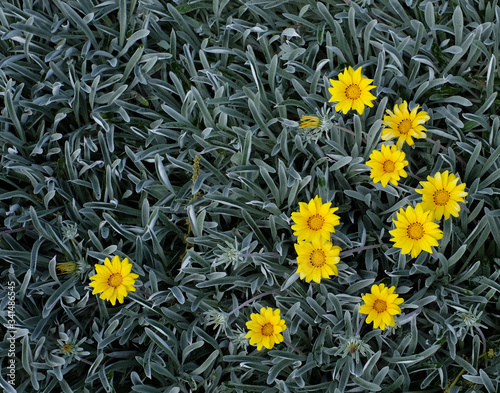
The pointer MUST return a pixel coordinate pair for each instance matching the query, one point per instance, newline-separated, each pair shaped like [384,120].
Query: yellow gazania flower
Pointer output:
[404,125]
[415,231]
[67,348]
[317,259]
[66,267]
[441,195]
[315,220]
[114,279]
[381,305]
[78,268]
[310,122]
[265,328]
[387,165]
[352,90]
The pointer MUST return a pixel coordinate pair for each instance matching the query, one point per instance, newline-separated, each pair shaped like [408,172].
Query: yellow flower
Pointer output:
[352,90]
[67,348]
[415,231]
[310,122]
[66,267]
[387,165]
[315,220]
[441,195]
[404,125]
[265,328]
[381,305]
[114,279]
[78,268]
[317,259]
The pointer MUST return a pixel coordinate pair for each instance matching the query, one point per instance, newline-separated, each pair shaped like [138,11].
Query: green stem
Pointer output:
[448,388]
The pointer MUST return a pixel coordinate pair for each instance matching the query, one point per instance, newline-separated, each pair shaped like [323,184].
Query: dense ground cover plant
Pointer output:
[169,133]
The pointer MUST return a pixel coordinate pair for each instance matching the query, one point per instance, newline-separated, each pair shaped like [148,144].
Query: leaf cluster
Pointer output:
[166,132]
